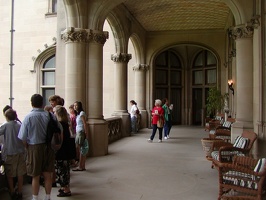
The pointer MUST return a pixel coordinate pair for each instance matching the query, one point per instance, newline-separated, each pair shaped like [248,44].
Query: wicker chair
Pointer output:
[223,131]
[223,152]
[211,124]
[242,179]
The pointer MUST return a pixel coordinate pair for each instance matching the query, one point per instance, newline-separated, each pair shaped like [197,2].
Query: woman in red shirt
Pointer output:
[157,113]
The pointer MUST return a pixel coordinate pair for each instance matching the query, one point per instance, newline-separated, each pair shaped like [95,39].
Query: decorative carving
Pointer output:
[141,67]
[75,35]
[244,31]
[255,21]
[121,57]
[99,37]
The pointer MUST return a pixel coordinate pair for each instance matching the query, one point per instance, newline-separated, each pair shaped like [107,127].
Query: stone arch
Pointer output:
[163,48]
[139,50]
[118,33]
[237,10]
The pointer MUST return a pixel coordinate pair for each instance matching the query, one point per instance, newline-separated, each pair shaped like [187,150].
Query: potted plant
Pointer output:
[215,101]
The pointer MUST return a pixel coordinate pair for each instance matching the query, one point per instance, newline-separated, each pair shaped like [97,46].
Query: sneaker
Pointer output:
[168,136]
[149,140]
[165,138]
[160,141]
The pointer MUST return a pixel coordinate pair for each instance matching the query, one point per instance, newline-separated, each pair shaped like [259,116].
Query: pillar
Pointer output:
[98,127]
[75,64]
[243,82]
[140,91]
[120,90]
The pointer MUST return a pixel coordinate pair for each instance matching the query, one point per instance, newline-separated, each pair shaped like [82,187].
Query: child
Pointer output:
[13,152]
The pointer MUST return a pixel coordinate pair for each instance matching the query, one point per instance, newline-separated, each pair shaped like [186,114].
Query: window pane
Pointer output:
[49,63]
[161,77]
[175,77]
[161,60]
[197,77]
[48,78]
[211,76]
[47,92]
[174,61]
[54,6]
[211,60]
[199,60]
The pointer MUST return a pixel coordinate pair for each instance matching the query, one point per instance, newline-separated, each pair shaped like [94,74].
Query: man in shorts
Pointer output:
[40,158]
[13,153]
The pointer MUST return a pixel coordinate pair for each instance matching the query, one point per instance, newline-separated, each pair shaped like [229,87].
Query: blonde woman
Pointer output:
[65,154]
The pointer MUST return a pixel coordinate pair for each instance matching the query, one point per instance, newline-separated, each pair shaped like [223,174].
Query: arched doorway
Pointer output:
[168,81]
[184,74]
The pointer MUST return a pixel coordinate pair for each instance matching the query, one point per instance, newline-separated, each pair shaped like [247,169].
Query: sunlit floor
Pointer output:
[134,169]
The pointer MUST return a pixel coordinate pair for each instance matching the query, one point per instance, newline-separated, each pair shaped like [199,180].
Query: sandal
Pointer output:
[64,194]
[78,170]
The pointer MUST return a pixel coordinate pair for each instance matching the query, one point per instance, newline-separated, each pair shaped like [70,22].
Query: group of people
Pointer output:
[24,148]
[161,119]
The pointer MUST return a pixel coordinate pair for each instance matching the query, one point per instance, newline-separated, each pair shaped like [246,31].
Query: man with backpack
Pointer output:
[40,157]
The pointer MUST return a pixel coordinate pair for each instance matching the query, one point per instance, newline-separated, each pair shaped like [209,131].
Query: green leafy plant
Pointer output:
[215,101]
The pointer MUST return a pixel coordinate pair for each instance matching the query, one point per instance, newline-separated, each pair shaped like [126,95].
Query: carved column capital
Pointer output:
[141,67]
[99,36]
[72,34]
[255,22]
[121,57]
[242,31]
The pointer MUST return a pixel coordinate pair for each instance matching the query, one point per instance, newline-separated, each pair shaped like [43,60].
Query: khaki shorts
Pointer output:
[80,137]
[15,165]
[40,159]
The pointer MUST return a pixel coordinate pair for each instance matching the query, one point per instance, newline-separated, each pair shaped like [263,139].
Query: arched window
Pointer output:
[48,78]
[204,76]
[45,69]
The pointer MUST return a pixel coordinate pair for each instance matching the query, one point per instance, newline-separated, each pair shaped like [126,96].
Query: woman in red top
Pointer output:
[156,113]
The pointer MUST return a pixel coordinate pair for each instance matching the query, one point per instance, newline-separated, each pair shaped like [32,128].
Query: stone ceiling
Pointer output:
[174,15]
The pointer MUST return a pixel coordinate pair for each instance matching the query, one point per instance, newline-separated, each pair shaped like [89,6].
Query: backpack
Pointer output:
[53,134]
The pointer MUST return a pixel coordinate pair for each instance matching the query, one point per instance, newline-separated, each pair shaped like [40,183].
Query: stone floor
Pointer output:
[134,169]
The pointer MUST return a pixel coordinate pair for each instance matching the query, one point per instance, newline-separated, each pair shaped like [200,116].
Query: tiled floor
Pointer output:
[134,169]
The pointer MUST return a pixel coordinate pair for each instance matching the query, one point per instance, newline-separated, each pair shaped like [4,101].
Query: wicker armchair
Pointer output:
[242,179]
[223,152]
[223,131]
[211,124]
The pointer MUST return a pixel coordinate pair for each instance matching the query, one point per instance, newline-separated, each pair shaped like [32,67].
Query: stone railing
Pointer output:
[114,129]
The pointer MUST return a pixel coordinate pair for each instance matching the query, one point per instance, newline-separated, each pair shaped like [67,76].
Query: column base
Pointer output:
[98,137]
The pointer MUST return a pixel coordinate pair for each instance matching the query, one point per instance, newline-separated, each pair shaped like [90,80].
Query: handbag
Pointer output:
[160,122]
[85,147]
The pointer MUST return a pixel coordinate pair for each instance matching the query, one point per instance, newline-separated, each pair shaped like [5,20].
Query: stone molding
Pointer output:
[245,30]
[72,34]
[99,37]
[141,67]
[121,57]
[242,31]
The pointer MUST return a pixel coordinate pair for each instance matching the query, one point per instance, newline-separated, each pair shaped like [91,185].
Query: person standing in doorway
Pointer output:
[157,114]
[167,117]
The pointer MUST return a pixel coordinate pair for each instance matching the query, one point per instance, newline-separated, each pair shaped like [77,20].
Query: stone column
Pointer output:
[140,91]
[120,90]
[75,62]
[244,79]
[98,127]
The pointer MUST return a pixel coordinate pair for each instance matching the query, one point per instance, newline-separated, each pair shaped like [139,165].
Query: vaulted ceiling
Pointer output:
[173,15]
